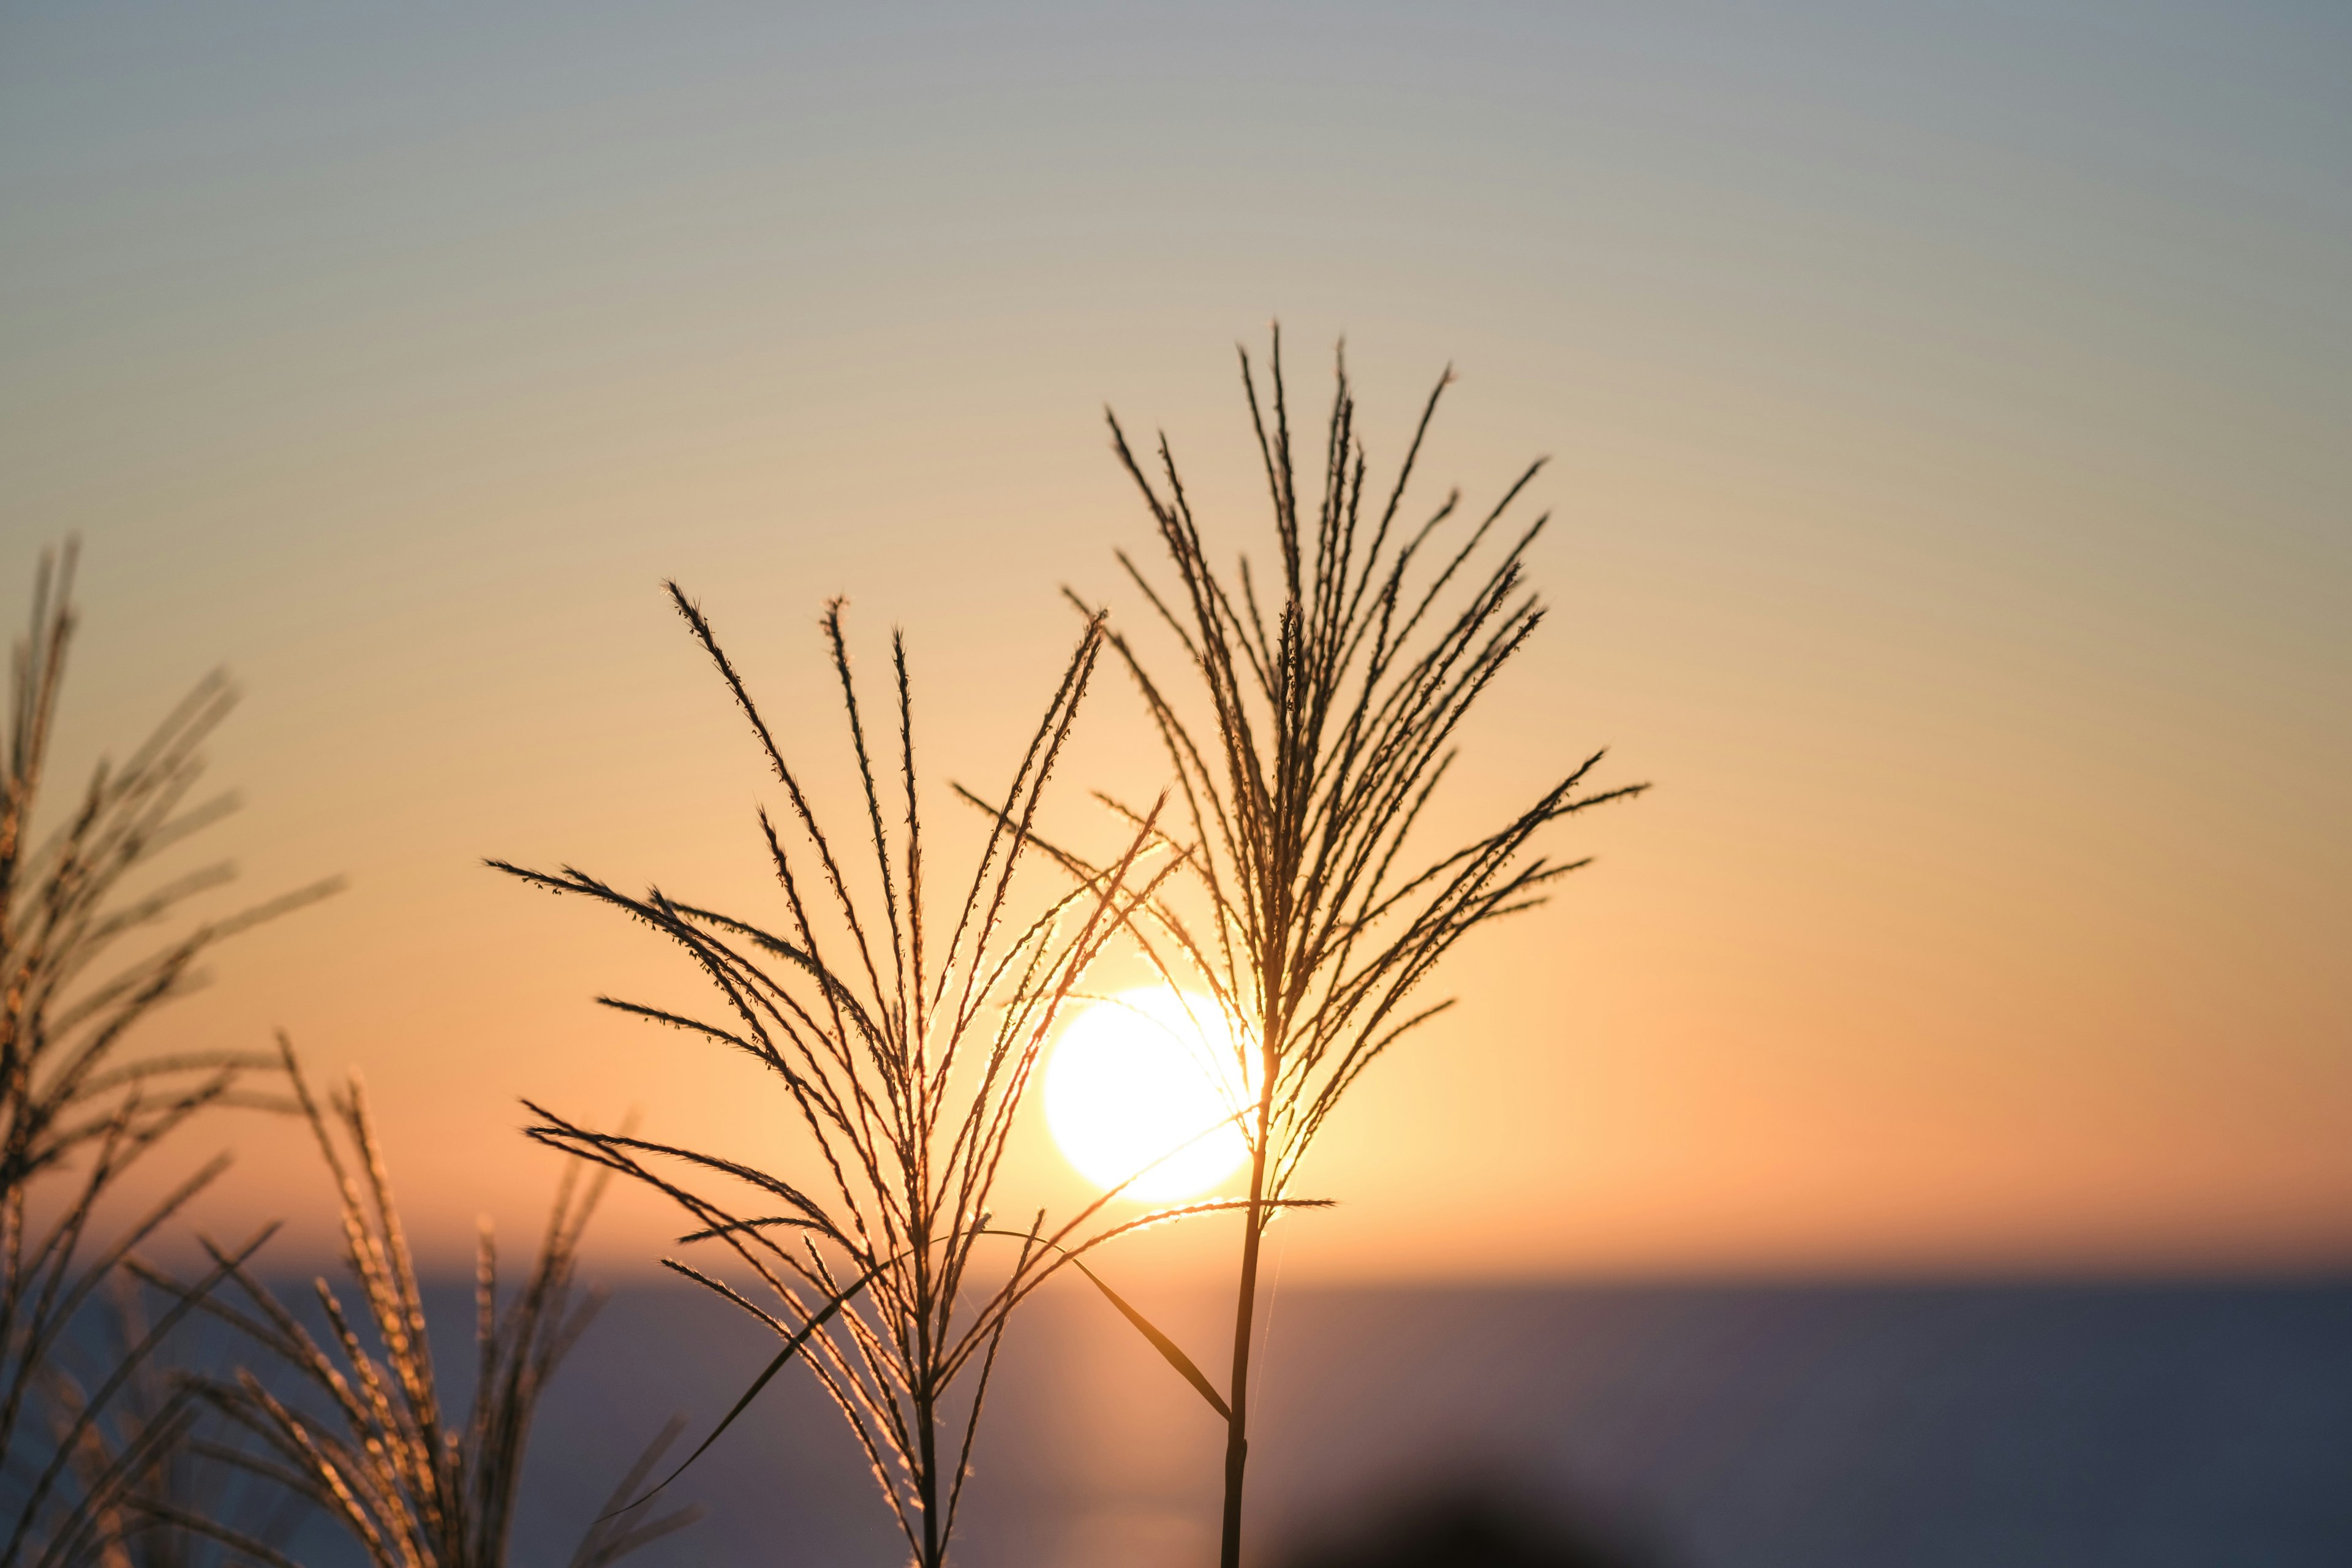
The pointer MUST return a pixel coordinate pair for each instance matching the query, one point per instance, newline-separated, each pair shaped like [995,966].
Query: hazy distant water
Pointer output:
[1730,1427]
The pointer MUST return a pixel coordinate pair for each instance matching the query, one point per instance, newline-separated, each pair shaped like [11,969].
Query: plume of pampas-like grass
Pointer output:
[410,1488]
[904,1057]
[79,1110]
[1324,707]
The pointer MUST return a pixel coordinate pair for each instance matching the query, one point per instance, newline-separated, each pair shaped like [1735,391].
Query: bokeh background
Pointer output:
[1949,497]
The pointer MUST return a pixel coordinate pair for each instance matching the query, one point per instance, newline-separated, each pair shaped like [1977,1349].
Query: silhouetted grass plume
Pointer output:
[77,1113]
[905,1058]
[1333,692]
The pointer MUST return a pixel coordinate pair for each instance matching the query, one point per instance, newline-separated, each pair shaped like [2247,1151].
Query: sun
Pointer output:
[1144,1074]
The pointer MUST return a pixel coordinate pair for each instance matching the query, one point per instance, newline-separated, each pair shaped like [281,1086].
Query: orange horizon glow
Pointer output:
[1947,512]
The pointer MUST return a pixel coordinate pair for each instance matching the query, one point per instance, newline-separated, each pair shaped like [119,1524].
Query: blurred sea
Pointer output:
[2135,1426]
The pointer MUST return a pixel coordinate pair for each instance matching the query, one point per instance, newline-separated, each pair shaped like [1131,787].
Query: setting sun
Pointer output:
[1143,1073]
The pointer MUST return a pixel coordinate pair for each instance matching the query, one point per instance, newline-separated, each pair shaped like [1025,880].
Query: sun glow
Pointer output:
[1144,1074]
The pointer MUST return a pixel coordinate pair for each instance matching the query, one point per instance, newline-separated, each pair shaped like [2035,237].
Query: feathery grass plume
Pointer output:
[149,1461]
[1333,695]
[76,1112]
[905,1058]
[411,1489]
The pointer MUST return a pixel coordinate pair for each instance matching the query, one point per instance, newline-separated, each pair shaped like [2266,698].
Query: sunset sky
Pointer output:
[1953,519]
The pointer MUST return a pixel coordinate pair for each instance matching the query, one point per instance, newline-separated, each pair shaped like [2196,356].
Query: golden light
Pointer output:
[1148,1073]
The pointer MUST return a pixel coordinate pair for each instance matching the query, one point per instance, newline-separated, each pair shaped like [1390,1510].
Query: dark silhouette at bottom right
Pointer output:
[1467,1528]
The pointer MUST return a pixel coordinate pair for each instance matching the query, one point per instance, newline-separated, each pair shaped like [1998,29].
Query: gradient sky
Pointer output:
[1954,519]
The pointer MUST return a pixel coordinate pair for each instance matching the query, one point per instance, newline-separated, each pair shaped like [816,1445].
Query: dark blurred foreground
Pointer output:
[2137,1427]
[1466,1526]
